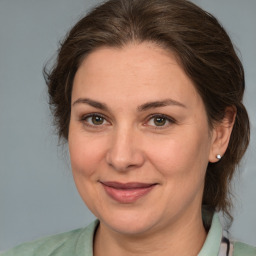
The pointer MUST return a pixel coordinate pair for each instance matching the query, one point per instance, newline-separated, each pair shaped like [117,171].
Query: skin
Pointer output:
[129,145]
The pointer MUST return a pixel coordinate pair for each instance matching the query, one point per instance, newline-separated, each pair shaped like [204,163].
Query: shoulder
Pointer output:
[69,243]
[242,249]
[45,246]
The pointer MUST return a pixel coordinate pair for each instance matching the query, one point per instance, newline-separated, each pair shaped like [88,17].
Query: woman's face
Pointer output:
[139,139]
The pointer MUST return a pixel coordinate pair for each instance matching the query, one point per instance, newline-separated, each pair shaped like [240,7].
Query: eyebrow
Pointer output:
[158,104]
[92,103]
[143,107]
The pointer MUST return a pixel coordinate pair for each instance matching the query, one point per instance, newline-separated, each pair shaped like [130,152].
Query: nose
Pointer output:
[125,151]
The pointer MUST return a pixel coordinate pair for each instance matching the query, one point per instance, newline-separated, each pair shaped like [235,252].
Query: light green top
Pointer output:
[80,243]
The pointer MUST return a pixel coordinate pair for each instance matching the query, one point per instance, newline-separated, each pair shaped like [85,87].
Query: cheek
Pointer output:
[84,157]
[85,154]
[181,154]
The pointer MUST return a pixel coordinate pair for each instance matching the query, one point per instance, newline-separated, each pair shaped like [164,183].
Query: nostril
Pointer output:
[125,151]
[125,160]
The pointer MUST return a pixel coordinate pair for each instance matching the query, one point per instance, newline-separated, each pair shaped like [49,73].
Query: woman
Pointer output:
[148,94]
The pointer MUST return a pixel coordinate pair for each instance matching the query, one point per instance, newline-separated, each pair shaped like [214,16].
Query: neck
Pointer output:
[173,239]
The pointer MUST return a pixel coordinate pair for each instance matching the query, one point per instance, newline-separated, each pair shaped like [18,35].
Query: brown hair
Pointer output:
[204,50]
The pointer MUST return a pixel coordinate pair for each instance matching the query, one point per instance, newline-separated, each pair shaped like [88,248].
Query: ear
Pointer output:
[221,134]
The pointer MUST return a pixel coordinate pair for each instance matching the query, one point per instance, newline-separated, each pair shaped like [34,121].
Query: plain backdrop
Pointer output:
[37,194]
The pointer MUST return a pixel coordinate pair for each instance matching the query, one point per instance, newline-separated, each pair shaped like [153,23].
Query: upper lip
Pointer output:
[129,185]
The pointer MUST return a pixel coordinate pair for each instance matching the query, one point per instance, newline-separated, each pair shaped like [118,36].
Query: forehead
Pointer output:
[136,71]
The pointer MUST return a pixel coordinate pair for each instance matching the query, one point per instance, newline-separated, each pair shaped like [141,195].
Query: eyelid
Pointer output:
[168,118]
[84,117]
[171,120]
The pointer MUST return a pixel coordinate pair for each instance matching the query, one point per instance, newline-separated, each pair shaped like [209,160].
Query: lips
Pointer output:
[127,192]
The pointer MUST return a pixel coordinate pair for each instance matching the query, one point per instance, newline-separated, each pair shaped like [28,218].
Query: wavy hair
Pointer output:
[203,49]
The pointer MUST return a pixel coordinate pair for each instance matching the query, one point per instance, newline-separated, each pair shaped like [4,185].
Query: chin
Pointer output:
[130,223]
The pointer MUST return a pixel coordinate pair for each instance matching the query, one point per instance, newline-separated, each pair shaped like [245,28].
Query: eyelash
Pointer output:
[168,119]
[85,122]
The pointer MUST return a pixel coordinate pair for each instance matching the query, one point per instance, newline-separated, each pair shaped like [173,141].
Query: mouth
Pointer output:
[127,192]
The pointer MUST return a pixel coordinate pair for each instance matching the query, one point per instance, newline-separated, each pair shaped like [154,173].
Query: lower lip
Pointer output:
[127,195]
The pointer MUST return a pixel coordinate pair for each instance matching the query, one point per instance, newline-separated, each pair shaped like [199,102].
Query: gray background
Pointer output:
[37,194]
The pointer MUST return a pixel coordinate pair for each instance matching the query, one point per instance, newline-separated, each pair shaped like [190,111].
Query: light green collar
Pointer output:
[213,240]
[210,248]
[84,244]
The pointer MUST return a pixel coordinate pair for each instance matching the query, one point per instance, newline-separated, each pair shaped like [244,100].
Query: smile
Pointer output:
[127,192]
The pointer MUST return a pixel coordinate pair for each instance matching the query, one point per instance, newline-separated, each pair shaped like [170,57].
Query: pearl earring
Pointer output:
[218,157]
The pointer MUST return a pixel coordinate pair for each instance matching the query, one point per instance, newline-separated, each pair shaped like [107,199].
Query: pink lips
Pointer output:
[127,192]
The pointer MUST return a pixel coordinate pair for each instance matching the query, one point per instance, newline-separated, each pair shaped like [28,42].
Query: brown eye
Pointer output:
[97,120]
[94,120]
[159,121]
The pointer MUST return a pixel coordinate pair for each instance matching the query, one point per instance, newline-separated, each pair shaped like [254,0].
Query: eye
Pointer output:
[94,120]
[160,121]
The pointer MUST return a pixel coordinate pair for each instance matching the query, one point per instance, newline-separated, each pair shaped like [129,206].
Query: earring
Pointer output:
[218,157]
